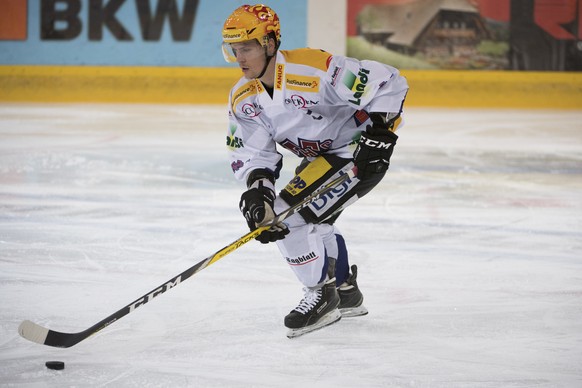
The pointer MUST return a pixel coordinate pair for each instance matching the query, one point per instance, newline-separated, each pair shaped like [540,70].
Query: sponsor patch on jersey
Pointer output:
[248,89]
[302,83]
[233,142]
[357,84]
[279,75]
[300,102]
[303,259]
[335,75]
[250,110]
[326,202]
[308,176]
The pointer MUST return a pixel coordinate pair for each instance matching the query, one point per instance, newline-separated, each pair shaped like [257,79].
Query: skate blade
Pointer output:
[354,311]
[326,320]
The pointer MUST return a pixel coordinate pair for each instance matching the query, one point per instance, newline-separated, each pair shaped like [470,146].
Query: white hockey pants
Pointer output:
[308,247]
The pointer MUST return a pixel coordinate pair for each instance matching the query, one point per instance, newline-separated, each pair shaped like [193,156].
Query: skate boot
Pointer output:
[351,297]
[316,310]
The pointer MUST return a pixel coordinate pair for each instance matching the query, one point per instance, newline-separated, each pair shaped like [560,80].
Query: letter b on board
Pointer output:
[60,12]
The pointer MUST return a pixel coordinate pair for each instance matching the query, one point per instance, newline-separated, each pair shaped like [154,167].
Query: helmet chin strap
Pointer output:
[268,57]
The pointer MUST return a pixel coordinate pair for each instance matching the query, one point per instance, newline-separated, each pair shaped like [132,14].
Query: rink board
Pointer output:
[183,85]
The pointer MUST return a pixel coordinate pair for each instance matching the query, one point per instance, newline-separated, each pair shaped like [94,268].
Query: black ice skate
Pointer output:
[351,297]
[319,308]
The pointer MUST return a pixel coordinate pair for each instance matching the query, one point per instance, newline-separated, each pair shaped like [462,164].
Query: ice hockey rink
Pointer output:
[469,255]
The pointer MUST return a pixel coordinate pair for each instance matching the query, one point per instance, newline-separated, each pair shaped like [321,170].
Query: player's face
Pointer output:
[250,57]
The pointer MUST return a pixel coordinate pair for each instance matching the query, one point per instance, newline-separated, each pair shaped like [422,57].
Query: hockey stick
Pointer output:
[41,335]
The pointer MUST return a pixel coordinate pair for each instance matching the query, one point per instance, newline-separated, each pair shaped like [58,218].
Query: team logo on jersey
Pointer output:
[307,148]
[302,83]
[357,84]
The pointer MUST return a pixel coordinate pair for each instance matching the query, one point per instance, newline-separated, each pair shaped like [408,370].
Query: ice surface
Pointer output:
[469,255]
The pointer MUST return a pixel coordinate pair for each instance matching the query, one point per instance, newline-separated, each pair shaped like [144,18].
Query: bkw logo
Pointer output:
[61,19]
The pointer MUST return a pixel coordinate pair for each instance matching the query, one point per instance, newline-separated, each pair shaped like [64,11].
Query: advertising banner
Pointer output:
[128,32]
[533,35]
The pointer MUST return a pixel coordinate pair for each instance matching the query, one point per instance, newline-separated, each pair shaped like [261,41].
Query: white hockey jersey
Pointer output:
[319,105]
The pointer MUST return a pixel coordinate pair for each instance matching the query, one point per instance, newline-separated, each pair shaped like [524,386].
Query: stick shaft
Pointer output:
[36,333]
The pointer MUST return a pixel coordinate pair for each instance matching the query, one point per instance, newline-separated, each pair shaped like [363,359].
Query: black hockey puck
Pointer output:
[56,365]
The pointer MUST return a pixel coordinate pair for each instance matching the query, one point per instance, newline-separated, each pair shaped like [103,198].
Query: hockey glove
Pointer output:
[256,204]
[372,155]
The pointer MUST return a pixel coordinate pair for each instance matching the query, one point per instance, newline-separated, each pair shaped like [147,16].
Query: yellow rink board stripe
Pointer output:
[116,84]
[181,85]
[495,89]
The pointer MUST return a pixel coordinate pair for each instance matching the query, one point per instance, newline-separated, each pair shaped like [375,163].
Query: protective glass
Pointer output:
[248,50]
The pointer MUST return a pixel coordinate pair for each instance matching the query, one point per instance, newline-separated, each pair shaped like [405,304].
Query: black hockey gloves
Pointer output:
[256,204]
[372,155]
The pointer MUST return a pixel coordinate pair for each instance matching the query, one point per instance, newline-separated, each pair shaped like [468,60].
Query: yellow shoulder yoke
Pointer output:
[310,57]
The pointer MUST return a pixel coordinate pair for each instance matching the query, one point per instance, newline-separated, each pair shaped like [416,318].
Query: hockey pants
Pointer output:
[314,247]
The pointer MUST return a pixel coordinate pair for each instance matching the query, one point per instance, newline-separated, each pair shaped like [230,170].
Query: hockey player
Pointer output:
[320,107]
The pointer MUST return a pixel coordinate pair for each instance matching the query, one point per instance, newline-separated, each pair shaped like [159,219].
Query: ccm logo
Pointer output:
[376,144]
[140,302]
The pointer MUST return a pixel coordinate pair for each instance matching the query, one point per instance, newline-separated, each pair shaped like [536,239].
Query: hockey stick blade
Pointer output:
[41,335]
